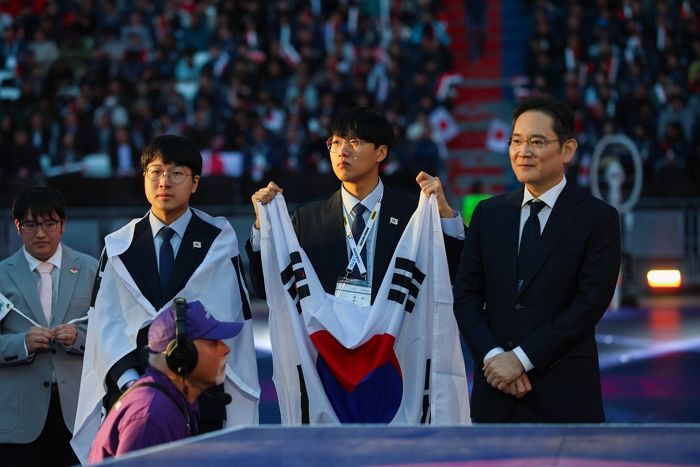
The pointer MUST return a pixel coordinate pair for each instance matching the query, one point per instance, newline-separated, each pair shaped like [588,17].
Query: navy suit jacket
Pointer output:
[553,315]
[319,228]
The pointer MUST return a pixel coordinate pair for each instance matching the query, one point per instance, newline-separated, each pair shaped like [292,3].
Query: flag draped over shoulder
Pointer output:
[396,361]
[120,310]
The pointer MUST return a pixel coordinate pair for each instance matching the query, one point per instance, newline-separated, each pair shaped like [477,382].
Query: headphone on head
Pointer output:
[181,353]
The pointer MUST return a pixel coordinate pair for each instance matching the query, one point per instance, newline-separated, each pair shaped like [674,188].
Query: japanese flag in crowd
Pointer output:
[396,361]
[443,125]
[497,136]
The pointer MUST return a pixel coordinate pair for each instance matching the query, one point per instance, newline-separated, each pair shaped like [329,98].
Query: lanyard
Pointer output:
[356,248]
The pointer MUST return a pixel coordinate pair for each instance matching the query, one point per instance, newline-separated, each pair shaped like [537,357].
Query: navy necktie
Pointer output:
[358,226]
[530,240]
[166,256]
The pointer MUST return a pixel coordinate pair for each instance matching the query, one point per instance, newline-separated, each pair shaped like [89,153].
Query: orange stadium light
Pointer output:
[664,278]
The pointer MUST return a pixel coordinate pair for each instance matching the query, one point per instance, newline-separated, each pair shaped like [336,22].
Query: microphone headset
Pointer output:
[181,354]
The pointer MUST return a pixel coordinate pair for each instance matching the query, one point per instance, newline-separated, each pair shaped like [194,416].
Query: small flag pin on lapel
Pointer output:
[196,245]
[74,269]
[394,221]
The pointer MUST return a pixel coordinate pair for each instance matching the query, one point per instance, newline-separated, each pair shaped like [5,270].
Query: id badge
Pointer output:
[356,291]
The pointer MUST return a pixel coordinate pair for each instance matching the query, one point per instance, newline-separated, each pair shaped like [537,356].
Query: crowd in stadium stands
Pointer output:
[629,66]
[252,83]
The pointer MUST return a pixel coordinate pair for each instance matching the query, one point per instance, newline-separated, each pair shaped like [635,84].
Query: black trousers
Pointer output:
[51,448]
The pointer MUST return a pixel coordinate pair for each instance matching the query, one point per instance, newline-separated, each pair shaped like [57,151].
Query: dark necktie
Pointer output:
[530,240]
[167,257]
[358,226]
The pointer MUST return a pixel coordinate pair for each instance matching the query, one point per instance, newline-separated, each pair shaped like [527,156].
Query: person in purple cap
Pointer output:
[187,355]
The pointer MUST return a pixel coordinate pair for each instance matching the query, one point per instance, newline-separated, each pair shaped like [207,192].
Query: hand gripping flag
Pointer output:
[120,310]
[396,361]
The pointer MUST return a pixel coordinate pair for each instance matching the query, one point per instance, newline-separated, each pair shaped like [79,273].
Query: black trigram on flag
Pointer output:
[406,282]
[294,280]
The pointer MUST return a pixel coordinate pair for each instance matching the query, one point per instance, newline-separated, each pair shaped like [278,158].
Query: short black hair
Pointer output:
[173,149]
[561,114]
[363,123]
[42,201]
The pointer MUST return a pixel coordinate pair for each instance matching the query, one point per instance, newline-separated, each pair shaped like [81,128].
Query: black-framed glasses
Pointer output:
[177,176]
[335,144]
[46,226]
[534,143]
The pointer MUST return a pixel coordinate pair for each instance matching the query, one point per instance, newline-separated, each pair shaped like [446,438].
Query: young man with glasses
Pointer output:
[537,273]
[173,250]
[360,142]
[42,339]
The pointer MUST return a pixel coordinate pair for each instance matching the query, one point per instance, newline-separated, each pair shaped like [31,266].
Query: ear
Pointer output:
[195,183]
[382,152]
[569,149]
[18,226]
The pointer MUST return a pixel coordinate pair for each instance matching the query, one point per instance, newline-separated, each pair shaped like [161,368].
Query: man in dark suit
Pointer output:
[173,250]
[537,273]
[42,339]
[360,143]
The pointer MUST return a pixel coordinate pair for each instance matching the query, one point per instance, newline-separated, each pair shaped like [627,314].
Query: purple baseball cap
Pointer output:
[200,324]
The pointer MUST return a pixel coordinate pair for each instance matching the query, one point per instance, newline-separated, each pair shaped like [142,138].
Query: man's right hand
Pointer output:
[37,339]
[264,195]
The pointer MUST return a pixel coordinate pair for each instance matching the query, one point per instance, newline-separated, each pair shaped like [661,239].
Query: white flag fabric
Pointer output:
[396,361]
[120,310]
[5,306]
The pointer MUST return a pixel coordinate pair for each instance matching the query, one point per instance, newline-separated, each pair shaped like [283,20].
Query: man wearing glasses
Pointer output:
[537,273]
[42,339]
[360,142]
[174,250]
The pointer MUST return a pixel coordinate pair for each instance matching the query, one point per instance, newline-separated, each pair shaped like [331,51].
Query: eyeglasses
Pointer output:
[177,176]
[31,226]
[335,144]
[534,143]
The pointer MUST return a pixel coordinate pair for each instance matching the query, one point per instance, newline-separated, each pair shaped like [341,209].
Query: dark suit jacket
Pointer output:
[319,228]
[553,317]
[140,260]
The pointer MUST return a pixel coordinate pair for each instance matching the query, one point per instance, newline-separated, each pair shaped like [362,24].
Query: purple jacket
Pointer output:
[145,417]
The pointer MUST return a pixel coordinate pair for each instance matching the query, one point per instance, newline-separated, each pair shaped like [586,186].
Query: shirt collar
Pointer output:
[55,259]
[179,226]
[349,201]
[549,197]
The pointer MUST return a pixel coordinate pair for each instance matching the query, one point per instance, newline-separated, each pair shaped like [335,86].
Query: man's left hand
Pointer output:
[429,184]
[503,369]
[65,334]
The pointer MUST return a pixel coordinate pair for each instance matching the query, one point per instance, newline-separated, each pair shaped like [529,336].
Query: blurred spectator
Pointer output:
[266,74]
[632,64]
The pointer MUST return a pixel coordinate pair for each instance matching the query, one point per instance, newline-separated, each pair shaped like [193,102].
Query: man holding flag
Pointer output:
[345,249]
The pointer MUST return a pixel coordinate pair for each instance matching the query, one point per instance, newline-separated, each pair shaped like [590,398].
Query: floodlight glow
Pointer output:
[664,278]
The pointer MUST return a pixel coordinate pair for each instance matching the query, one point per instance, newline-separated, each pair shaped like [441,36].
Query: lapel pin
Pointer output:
[196,244]
[394,221]
[74,269]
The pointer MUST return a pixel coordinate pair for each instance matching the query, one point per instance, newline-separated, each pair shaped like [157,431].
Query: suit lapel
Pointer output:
[560,219]
[195,244]
[510,231]
[66,284]
[140,260]
[27,285]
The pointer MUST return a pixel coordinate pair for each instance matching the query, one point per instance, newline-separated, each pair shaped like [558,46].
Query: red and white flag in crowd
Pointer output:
[443,125]
[497,136]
